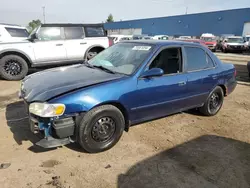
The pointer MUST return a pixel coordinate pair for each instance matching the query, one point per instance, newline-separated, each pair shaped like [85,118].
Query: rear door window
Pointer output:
[73,33]
[196,59]
[94,31]
[16,32]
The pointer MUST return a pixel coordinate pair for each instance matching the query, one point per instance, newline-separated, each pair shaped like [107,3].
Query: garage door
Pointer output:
[246,30]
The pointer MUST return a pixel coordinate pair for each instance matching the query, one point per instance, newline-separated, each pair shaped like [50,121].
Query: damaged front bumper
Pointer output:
[57,132]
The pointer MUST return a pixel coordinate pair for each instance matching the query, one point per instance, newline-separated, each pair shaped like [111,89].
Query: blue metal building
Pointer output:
[218,23]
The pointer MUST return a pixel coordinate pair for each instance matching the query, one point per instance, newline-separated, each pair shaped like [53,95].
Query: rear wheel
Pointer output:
[93,52]
[101,128]
[13,67]
[214,102]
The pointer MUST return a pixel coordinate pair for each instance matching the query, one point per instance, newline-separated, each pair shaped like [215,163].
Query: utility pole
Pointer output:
[44,14]
[186,10]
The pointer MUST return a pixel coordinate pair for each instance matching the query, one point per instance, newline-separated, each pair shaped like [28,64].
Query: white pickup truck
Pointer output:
[50,45]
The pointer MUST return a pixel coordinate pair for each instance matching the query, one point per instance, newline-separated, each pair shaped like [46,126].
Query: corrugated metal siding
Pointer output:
[220,22]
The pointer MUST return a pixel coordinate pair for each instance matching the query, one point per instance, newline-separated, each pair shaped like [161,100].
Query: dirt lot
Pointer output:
[183,150]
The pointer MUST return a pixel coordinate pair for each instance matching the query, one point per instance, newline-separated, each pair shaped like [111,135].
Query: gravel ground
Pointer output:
[183,150]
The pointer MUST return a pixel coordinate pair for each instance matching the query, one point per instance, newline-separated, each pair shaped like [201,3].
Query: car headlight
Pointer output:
[46,110]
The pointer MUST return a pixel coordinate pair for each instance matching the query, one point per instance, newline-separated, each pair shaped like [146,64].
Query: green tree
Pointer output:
[34,24]
[110,18]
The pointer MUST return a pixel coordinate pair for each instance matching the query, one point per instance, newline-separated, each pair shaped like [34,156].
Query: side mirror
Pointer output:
[152,73]
[33,37]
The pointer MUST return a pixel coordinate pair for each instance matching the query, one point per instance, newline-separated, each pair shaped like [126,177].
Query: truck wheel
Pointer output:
[213,103]
[101,128]
[93,52]
[13,67]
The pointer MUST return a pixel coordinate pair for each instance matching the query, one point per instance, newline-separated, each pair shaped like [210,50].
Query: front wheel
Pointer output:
[213,103]
[13,67]
[101,128]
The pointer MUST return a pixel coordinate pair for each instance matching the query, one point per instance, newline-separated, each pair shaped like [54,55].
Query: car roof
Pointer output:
[12,26]
[70,25]
[162,42]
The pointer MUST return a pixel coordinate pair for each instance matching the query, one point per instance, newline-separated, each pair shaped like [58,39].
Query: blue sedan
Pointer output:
[131,82]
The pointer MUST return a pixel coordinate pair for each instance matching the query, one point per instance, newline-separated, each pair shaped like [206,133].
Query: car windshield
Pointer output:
[235,40]
[209,39]
[122,58]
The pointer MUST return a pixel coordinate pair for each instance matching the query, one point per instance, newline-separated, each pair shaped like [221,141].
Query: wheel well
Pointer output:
[18,54]
[224,89]
[96,49]
[123,110]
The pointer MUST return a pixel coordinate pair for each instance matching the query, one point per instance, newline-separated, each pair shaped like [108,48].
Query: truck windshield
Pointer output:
[209,39]
[122,58]
[235,40]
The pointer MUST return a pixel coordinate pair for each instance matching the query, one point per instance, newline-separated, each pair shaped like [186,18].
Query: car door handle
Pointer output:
[59,44]
[82,43]
[182,83]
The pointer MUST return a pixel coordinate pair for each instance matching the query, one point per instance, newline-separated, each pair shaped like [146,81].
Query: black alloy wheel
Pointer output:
[13,67]
[213,103]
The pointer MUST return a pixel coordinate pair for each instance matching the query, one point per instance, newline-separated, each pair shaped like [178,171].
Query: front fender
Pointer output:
[87,98]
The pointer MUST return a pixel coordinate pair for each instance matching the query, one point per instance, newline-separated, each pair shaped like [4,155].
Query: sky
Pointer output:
[21,12]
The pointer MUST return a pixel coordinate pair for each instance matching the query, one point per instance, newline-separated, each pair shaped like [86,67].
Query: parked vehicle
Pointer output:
[184,37]
[10,33]
[233,44]
[50,45]
[126,84]
[210,41]
[199,41]
[141,37]
[116,38]
[248,68]
[126,38]
[160,37]
[247,41]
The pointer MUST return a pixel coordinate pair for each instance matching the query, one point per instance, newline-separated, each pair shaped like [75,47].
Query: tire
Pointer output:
[93,52]
[207,108]
[213,50]
[94,125]
[13,67]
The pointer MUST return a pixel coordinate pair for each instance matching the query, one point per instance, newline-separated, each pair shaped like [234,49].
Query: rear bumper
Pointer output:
[236,49]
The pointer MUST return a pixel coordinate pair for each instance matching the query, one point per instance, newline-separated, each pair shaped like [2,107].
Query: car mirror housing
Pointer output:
[152,73]
[33,37]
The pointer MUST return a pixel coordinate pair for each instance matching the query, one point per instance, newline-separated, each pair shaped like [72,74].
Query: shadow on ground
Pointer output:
[18,122]
[208,161]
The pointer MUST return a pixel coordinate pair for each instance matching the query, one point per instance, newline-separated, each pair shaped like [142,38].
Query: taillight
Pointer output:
[111,42]
[235,73]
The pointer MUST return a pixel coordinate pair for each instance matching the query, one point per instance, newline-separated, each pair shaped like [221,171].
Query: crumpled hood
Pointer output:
[44,85]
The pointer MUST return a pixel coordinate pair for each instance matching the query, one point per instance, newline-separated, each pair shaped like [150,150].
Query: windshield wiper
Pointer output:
[104,69]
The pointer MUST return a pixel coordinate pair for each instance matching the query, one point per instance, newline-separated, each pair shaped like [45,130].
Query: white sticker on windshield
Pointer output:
[144,48]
